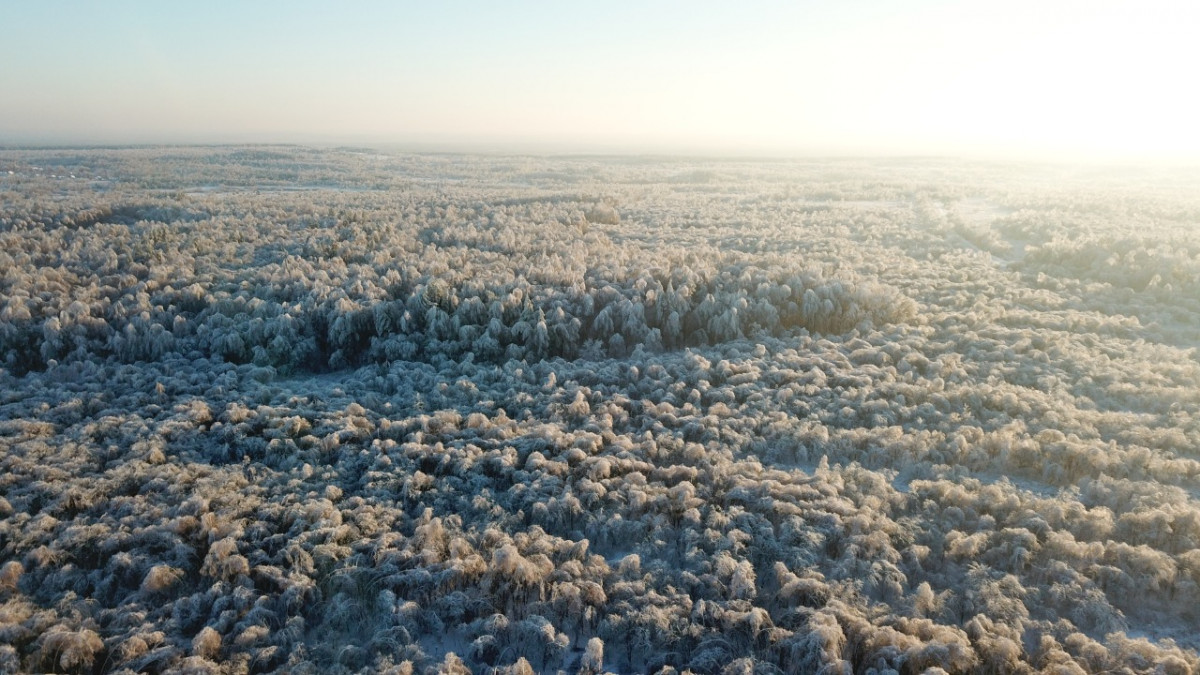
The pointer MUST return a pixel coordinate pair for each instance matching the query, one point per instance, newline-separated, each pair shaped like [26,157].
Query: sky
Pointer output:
[1047,78]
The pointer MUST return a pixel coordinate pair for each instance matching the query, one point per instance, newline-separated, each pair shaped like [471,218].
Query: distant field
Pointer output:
[280,409]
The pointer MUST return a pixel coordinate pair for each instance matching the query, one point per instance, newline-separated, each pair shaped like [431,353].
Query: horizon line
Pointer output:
[665,150]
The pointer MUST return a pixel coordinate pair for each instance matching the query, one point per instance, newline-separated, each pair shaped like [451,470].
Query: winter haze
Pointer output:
[659,338]
[1060,79]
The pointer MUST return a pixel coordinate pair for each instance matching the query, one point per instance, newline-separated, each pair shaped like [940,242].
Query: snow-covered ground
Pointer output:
[354,412]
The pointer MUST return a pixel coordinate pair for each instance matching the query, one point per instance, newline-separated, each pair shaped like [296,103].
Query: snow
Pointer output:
[329,411]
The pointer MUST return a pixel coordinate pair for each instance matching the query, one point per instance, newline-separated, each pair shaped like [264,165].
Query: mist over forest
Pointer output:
[284,409]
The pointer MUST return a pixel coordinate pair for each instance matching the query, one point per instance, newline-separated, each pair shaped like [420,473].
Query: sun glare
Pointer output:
[1045,79]
[842,336]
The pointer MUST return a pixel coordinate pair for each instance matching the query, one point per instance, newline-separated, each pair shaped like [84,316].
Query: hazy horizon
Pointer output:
[1064,81]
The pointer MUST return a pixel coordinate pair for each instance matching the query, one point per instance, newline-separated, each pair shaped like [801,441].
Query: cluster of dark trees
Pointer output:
[305,293]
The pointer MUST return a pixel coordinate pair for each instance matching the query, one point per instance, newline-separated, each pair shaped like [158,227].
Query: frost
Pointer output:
[593,414]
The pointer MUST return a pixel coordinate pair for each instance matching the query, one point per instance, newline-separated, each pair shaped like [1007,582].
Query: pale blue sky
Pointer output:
[1098,78]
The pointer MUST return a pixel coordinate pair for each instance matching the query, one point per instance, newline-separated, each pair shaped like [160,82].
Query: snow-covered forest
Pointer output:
[278,409]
